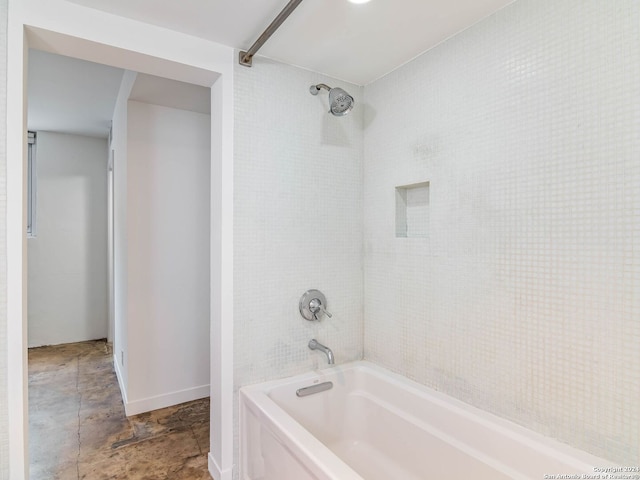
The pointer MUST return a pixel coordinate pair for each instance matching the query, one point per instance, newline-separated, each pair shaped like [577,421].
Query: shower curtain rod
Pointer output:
[246,58]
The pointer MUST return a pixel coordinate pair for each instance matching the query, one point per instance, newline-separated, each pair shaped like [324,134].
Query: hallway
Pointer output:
[78,428]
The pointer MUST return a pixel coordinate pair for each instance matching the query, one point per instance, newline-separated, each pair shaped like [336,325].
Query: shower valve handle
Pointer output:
[312,304]
[316,306]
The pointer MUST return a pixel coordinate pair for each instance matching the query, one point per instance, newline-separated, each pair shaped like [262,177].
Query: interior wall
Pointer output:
[110,243]
[4,421]
[522,298]
[120,243]
[67,273]
[168,222]
[297,222]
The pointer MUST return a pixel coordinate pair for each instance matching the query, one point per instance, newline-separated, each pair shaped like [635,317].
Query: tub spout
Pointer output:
[315,345]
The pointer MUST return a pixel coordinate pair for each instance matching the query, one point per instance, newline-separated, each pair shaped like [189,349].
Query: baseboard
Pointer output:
[135,407]
[216,472]
[123,391]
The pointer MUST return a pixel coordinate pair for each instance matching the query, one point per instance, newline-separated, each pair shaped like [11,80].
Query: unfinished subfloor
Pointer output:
[78,428]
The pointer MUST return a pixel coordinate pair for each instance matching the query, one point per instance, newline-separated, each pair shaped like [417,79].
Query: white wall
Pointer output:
[168,204]
[111,315]
[524,298]
[4,427]
[67,276]
[120,242]
[297,222]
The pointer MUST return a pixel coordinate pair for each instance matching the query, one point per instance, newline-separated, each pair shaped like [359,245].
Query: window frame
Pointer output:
[31,184]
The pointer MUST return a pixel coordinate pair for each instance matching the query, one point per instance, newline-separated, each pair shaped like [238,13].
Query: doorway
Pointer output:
[80,33]
[161,130]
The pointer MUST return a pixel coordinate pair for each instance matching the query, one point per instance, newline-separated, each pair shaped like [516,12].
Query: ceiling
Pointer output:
[70,95]
[355,43]
[171,93]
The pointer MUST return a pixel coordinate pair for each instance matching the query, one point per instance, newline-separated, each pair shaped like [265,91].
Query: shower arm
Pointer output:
[245,58]
[314,89]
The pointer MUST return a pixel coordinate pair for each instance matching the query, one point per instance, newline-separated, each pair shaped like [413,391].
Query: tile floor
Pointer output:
[78,429]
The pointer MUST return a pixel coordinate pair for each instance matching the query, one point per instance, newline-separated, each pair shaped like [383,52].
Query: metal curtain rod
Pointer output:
[247,57]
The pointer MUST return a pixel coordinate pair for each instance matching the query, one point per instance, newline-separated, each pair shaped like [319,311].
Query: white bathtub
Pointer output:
[375,425]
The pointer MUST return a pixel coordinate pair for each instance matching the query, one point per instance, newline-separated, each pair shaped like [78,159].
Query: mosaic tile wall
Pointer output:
[524,299]
[297,222]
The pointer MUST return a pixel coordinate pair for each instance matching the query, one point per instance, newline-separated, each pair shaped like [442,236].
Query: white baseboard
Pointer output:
[123,391]
[159,401]
[216,472]
[135,407]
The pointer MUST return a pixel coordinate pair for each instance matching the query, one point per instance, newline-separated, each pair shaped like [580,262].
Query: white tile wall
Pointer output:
[525,298]
[297,222]
[4,440]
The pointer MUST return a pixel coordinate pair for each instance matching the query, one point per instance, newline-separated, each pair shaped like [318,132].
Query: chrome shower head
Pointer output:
[340,101]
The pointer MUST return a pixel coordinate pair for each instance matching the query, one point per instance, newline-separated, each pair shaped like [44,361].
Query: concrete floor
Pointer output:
[78,429]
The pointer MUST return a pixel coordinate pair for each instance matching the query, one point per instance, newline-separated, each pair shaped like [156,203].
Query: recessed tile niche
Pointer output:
[412,210]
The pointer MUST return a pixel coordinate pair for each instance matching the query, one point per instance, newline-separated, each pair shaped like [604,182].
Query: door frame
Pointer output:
[69,29]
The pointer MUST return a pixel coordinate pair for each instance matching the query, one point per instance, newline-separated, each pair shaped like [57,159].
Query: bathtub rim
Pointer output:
[573,457]
[292,435]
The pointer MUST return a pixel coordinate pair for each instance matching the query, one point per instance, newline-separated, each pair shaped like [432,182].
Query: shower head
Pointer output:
[340,101]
